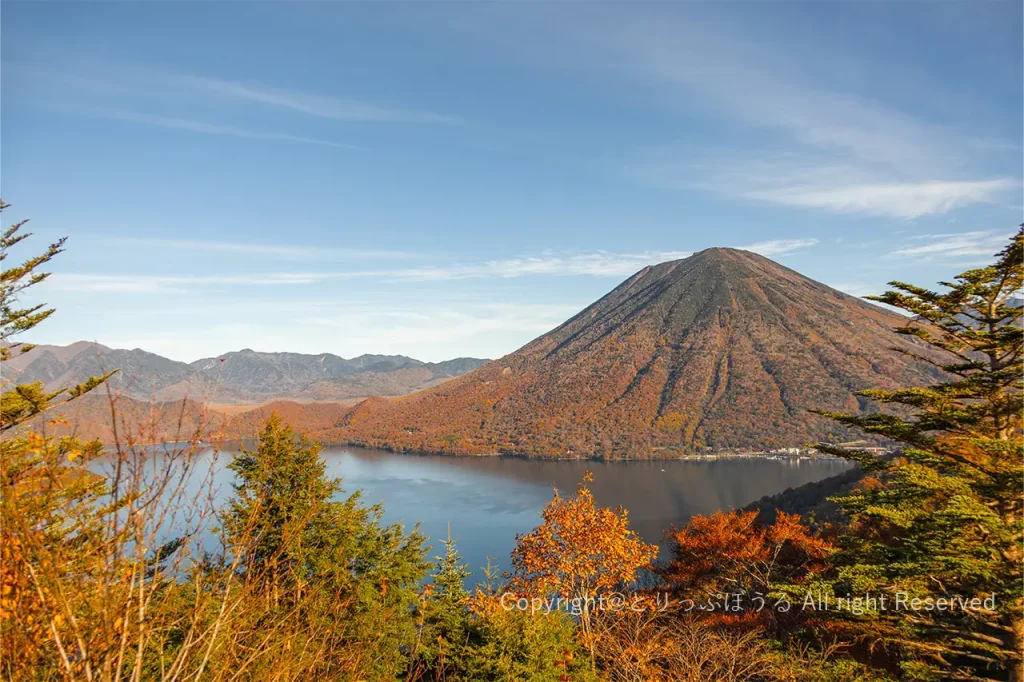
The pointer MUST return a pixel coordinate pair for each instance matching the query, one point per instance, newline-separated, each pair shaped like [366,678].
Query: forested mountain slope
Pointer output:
[724,350]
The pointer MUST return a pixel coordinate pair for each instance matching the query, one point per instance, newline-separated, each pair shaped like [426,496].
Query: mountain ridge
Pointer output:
[236,378]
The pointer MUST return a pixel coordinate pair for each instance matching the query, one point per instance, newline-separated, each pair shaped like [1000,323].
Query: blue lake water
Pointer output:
[488,500]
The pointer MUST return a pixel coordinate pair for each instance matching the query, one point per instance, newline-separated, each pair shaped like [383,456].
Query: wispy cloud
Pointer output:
[157,284]
[157,97]
[779,247]
[814,183]
[895,199]
[955,246]
[205,128]
[272,251]
[312,104]
[600,263]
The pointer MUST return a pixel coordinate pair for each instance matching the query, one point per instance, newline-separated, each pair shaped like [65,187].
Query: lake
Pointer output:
[488,500]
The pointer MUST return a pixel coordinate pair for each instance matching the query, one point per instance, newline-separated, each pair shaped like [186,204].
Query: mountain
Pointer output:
[243,377]
[141,373]
[138,421]
[303,417]
[724,350]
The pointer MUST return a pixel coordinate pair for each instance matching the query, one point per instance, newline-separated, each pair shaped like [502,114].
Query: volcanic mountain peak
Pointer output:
[721,254]
[723,350]
[713,289]
[721,266]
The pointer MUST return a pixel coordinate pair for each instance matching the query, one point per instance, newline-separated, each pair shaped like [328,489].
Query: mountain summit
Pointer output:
[724,350]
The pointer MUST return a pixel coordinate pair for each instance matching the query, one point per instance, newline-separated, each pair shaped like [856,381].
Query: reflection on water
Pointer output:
[488,500]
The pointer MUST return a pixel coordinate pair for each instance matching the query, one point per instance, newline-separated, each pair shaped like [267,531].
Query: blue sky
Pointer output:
[455,178]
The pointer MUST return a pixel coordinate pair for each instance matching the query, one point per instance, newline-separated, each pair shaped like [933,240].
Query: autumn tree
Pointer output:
[85,555]
[753,567]
[579,552]
[52,510]
[947,522]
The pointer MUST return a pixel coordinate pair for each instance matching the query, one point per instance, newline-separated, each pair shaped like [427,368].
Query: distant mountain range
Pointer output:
[244,377]
[725,350]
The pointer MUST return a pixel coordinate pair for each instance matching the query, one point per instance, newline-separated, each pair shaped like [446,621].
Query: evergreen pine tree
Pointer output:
[20,403]
[329,566]
[281,514]
[947,520]
[451,573]
[445,617]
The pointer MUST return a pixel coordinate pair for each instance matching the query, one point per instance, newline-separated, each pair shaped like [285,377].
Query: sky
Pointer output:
[455,179]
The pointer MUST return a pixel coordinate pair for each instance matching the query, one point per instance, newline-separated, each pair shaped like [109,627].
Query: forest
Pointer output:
[103,577]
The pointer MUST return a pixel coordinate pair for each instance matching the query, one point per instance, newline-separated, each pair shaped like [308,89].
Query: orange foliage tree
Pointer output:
[578,552]
[730,558]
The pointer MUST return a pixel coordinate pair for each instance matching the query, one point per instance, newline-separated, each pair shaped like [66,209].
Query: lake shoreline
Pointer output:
[709,457]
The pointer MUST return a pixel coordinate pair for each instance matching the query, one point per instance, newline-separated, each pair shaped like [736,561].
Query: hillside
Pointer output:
[303,417]
[725,350]
[244,377]
[812,501]
[140,421]
[89,417]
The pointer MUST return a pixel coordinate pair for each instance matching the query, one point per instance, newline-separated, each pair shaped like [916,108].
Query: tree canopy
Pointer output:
[947,520]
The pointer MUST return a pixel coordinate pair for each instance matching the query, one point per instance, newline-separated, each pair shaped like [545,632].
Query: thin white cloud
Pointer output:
[600,263]
[279,251]
[314,105]
[156,284]
[955,246]
[76,78]
[205,128]
[895,199]
[779,247]
[812,183]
